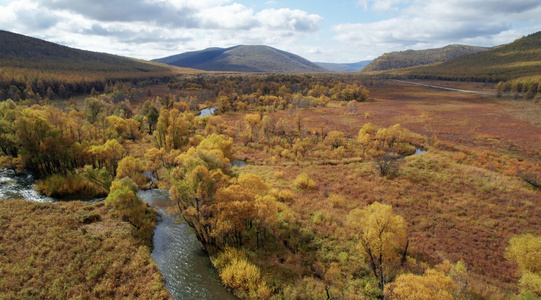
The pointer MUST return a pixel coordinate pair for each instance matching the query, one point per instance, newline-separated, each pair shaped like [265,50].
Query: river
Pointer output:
[187,271]
[186,268]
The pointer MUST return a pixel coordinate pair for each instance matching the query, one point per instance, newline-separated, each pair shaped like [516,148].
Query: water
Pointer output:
[186,268]
[15,185]
[237,163]
[208,111]
[419,151]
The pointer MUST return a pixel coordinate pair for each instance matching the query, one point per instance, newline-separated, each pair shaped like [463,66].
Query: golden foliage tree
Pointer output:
[432,285]
[525,250]
[133,168]
[382,238]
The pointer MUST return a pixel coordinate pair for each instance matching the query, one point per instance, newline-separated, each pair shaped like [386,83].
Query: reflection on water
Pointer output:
[187,270]
[14,185]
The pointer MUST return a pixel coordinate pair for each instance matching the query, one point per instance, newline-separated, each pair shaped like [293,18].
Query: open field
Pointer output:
[72,250]
[461,200]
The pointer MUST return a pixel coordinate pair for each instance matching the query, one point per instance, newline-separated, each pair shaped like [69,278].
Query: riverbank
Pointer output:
[72,250]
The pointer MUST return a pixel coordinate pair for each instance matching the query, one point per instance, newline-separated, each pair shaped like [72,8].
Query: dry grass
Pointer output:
[461,202]
[72,250]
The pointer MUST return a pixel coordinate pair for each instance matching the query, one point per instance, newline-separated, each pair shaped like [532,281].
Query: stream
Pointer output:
[187,271]
[186,268]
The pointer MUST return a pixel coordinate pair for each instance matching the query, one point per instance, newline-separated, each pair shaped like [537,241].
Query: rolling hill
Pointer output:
[410,58]
[19,51]
[521,58]
[345,67]
[34,68]
[243,59]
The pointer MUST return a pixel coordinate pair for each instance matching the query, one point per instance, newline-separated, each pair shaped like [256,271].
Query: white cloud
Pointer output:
[153,28]
[434,23]
[289,19]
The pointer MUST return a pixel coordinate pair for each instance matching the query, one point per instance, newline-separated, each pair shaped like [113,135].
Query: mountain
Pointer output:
[19,51]
[243,59]
[344,67]
[521,58]
[410,58]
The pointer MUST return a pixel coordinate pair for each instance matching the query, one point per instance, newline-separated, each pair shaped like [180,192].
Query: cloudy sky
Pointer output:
[319,30]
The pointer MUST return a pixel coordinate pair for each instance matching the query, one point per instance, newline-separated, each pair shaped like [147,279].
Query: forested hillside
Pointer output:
[521,58]
[410,58]
[33,68]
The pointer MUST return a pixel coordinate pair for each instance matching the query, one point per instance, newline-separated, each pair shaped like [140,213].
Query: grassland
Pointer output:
[72,251]
[462,199]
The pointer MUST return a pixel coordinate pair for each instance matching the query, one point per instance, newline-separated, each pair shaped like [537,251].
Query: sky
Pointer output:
[337,31]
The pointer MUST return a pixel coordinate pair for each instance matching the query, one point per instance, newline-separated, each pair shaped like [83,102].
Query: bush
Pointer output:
[387,164]
[241,275]
[69,186]
[303,181]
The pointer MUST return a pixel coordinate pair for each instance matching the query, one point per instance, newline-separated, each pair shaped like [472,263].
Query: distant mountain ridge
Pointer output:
[243,58]
[521,58]
[344,67]
[411,58]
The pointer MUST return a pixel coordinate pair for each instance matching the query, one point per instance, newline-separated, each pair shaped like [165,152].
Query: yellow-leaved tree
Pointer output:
[382,235]
[525,250]
[133,168]
[432,285]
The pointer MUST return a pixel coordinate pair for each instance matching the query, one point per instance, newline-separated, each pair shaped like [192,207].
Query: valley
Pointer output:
[352,185]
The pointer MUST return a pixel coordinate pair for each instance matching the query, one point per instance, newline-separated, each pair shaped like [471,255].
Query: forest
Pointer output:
[353,187]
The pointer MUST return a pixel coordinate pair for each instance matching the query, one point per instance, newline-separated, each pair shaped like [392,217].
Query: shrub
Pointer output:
[285,196]
[69,186]
[303,181]
[241,275]
[387,164]
[337,200]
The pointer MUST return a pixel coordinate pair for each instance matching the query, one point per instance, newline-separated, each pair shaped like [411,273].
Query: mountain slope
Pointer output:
[521,58]
[346,67]
[410,58]
[19,51]
[243,59]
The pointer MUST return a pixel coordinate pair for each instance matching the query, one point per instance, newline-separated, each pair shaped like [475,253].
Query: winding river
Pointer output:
[187,271]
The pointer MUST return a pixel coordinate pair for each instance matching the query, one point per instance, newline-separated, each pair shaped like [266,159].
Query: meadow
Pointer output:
[454,174]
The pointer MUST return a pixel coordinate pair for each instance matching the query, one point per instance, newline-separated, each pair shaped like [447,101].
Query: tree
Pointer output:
[107,155]
[151,114]
[199,173]
[335,139]
[133,168]
[235,210]
[92,108]
[432,285]
[172,129]
[525,250]
[125,202]
[381,233]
